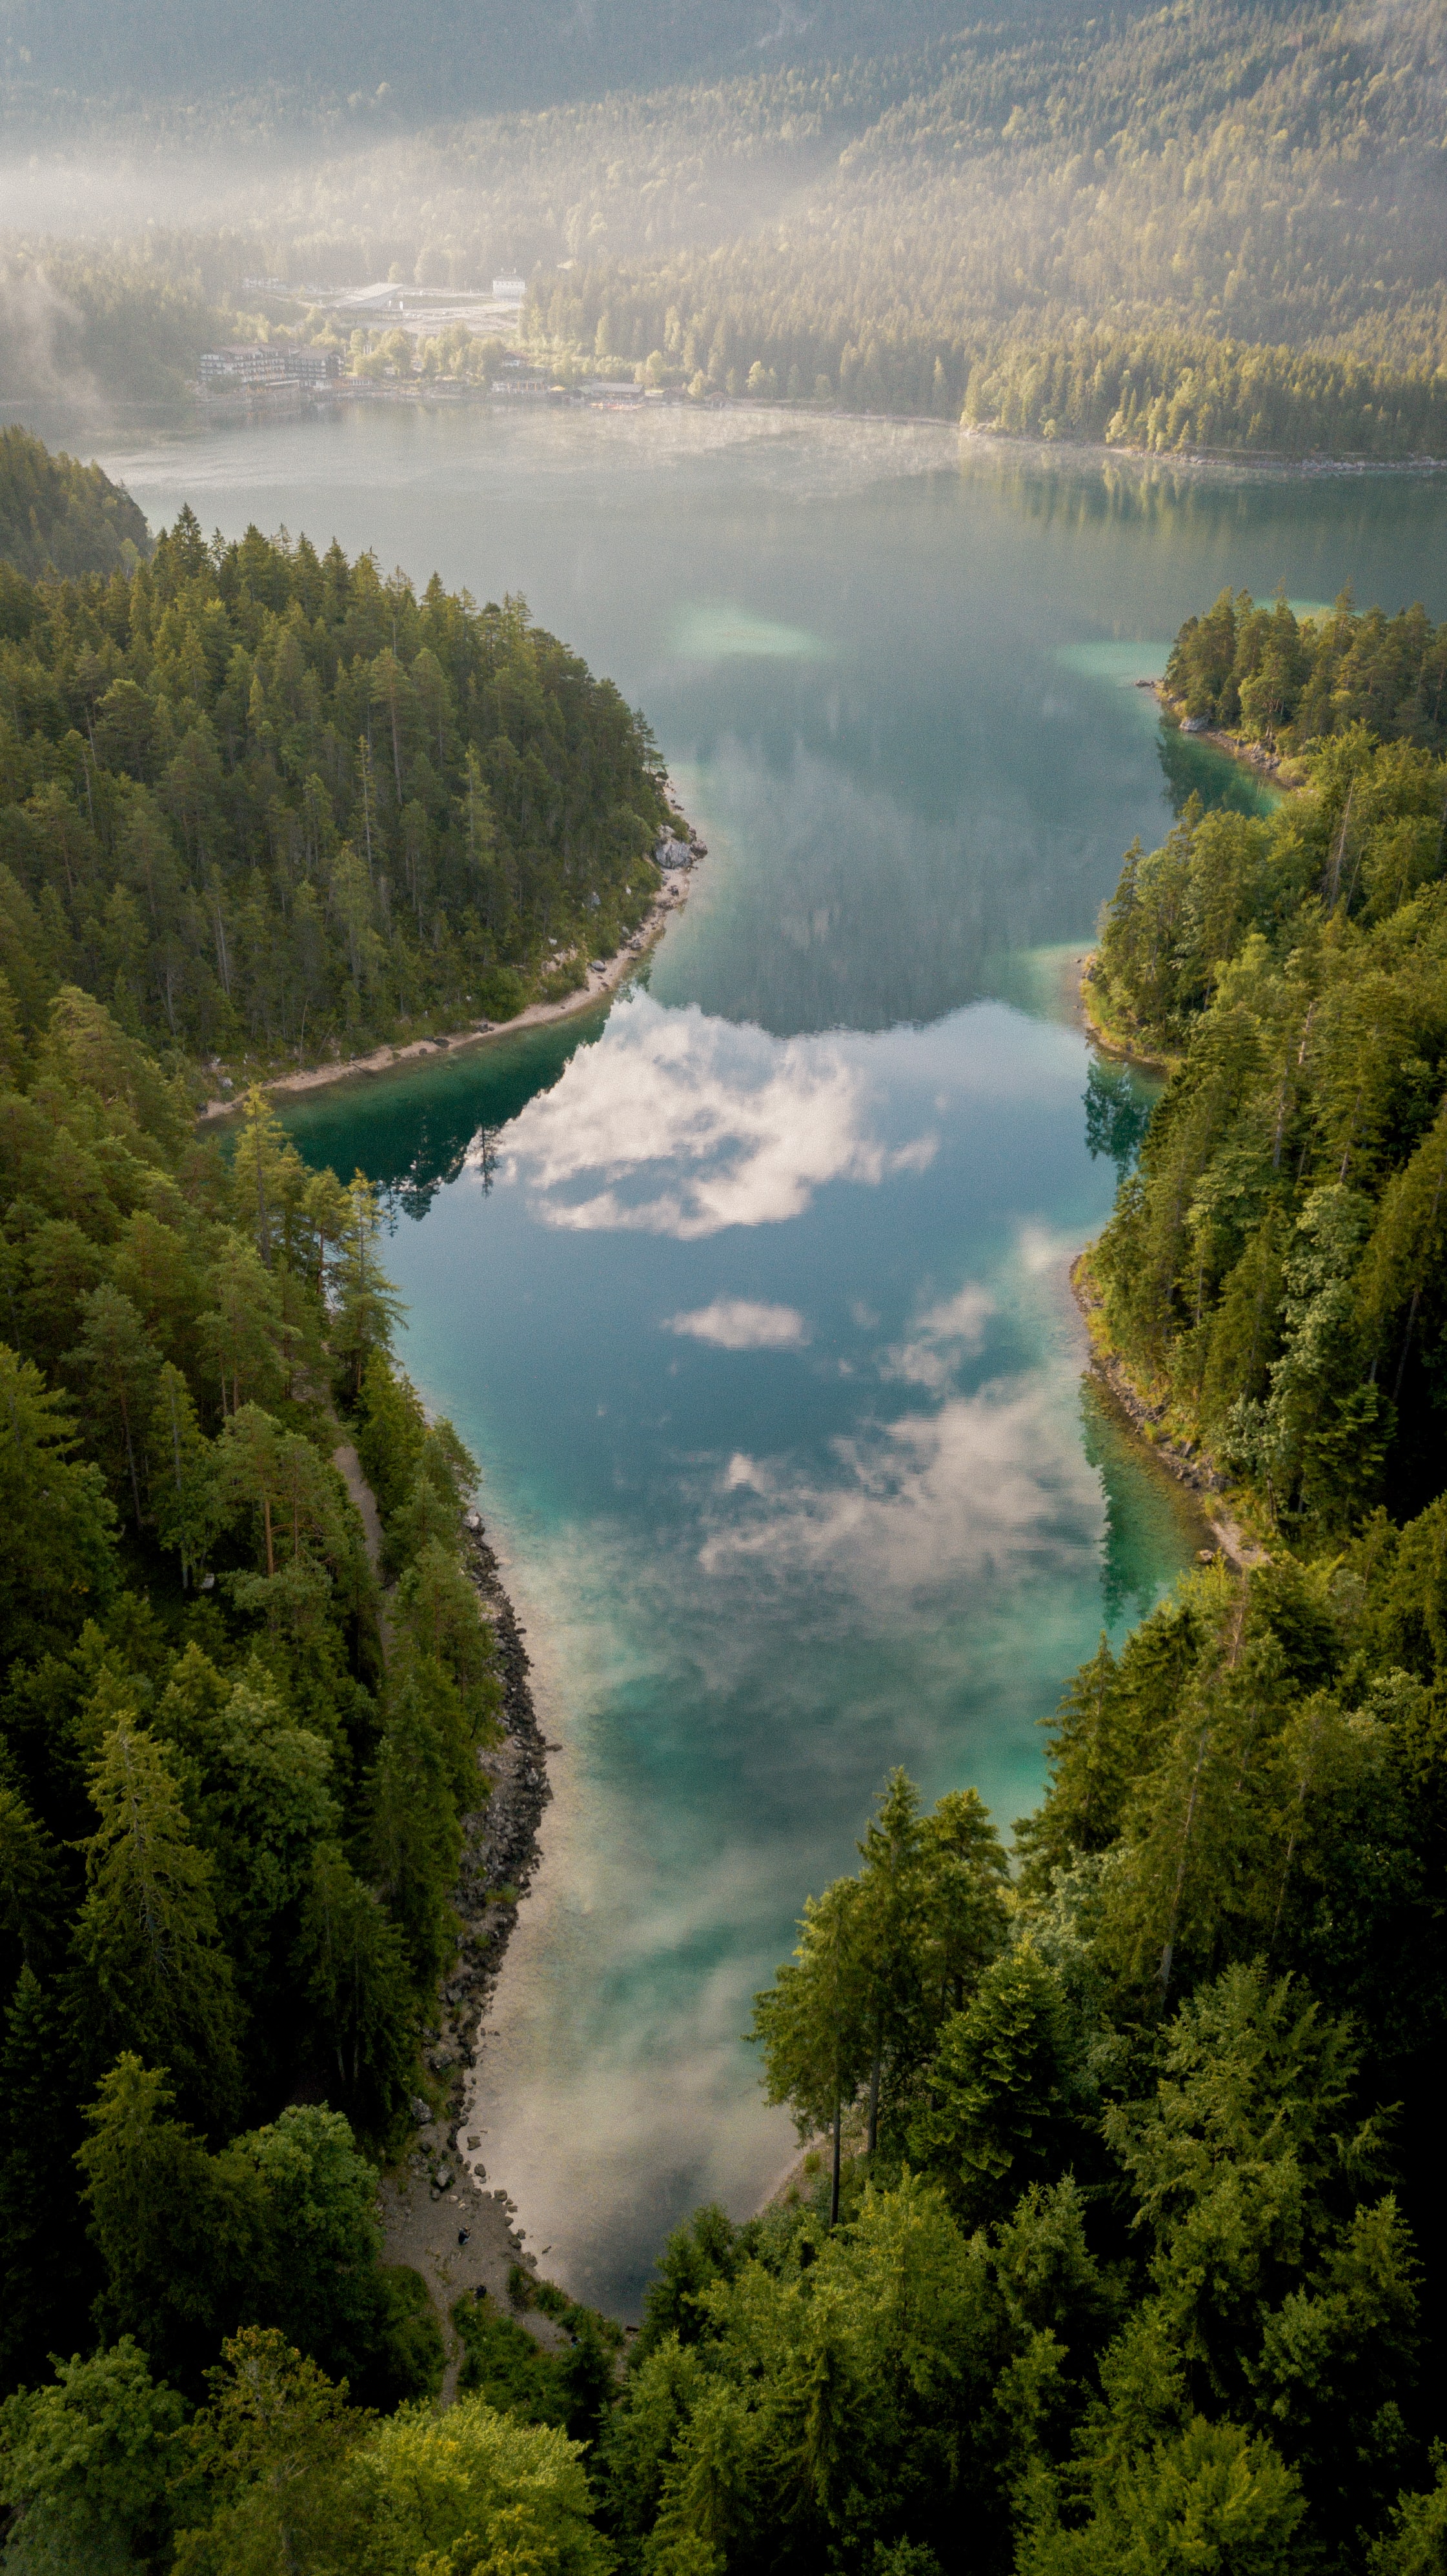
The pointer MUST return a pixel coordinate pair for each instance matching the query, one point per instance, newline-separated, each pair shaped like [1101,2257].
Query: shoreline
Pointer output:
[600,981]
[438,2186]
[1105,1039]
[1262,764]
[351,393]
[1185,1461]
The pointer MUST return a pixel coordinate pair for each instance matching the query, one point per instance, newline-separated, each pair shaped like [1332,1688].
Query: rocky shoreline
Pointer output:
[1184,1459]
[438,2215]
[1274,768]
[500,1847]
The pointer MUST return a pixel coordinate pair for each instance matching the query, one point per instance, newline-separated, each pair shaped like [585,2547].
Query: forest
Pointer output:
[273,805]
[1216,226]
[1117,2243]
[1273,1273]
[59,516]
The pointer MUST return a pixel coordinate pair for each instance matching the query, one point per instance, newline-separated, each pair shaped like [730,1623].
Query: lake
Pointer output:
[750,1290]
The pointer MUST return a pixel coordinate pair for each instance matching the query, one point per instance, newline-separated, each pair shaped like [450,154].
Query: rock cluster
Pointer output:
[671,852]
[500,1853]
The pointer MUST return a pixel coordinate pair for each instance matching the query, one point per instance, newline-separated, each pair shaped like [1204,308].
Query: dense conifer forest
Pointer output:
[1274,1270]
[57,516]
[269,803]
[1118,2245]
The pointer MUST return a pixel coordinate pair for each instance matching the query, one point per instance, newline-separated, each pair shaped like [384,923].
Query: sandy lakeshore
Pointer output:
[603,977]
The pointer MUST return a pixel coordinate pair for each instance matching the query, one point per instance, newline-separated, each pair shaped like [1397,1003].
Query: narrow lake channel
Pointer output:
[750,1290]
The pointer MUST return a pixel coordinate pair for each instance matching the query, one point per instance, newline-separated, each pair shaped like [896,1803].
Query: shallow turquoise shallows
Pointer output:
[751,1291]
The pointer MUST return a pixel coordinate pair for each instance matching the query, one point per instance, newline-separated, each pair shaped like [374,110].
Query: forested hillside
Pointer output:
[229,1821]
[268,803]
[57,516]
[1275,1271]
[291,63]
[1139,2257]
[1120,2246]
[1215,225]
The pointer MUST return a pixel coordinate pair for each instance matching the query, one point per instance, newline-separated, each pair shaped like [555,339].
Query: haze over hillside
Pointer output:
[1221,224]
[447,57]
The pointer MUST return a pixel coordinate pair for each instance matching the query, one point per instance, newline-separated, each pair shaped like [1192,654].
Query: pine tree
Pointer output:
[58,1562]
[815,2024]
[350,1962]
[149,1971]
[412,1837]
[998,2115]
[180,2234]
[244,1331]
[890,1935]
[185,1501]
[366,1306]
[117,1365]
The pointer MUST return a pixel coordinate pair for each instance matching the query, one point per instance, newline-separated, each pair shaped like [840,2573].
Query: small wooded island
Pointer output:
[1128,2253]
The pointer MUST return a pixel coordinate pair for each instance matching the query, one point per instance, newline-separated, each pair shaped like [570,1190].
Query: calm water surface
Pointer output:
[751,1292]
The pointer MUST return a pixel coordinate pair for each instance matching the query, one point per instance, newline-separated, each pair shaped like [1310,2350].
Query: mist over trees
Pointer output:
[1214,226]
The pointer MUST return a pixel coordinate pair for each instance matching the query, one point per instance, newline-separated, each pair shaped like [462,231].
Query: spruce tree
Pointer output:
[148,1970]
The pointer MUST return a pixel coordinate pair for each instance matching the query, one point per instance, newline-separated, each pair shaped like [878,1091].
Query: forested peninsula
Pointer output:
[274,807]
[1117,2247]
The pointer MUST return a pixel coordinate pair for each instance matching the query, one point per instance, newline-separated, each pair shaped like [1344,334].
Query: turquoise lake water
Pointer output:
[750,1291]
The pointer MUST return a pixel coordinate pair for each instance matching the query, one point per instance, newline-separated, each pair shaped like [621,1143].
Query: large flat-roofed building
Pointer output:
[244,363]
[273,362]
[509,290]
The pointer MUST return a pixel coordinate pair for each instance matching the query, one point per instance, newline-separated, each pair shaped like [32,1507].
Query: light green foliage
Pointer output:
[1208,2499]
[1416,2543]
[1256,670]
[85,2466]
[269,2451]
[60,516]
[474,2491]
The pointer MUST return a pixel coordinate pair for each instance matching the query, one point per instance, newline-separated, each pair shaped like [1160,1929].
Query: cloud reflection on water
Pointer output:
[743,1324]
[680,1125]
[982,1490]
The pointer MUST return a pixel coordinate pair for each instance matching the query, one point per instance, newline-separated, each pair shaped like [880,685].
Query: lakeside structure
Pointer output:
[265,368]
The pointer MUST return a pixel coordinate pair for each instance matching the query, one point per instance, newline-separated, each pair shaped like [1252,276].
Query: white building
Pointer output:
[509,290]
